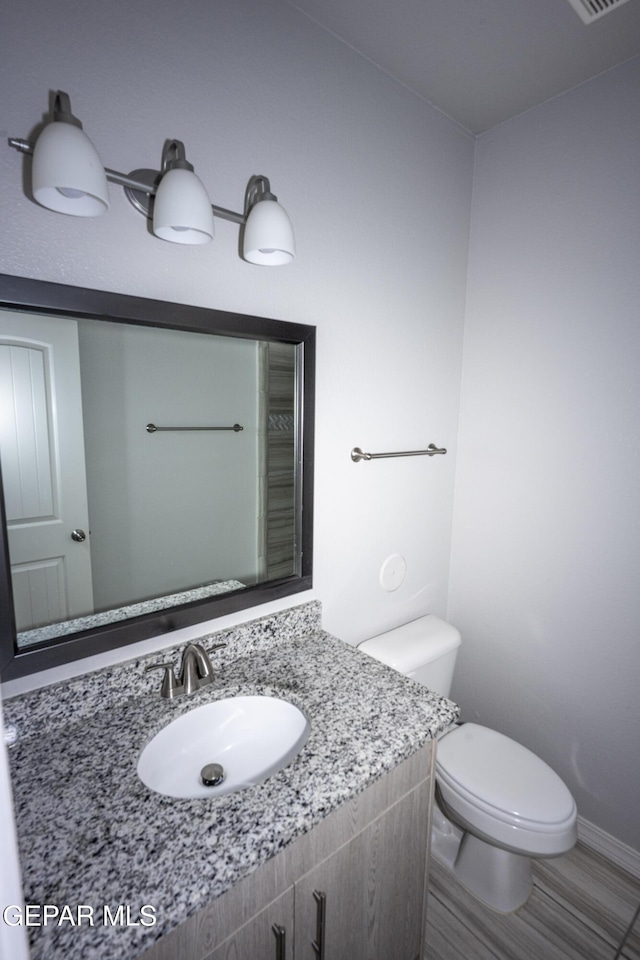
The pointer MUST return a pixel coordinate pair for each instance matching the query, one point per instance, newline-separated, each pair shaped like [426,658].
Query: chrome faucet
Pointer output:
[196,672]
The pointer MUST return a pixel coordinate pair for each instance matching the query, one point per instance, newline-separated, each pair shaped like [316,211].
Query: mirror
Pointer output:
[157,466]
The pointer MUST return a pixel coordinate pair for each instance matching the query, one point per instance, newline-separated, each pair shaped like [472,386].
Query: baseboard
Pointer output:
[619,853]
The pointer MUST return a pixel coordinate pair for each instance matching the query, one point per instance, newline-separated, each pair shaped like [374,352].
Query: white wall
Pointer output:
[546,550]
[378,185]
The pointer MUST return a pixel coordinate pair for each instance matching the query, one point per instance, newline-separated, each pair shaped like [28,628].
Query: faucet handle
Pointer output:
[170,686]
[204,663]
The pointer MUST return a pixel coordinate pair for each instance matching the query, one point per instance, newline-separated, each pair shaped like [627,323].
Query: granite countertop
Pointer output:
[91,833]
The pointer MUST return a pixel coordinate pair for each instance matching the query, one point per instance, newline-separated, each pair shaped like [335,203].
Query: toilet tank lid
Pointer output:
[413,644]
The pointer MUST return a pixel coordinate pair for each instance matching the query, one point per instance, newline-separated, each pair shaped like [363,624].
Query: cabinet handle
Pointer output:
[321,907]
[279,933]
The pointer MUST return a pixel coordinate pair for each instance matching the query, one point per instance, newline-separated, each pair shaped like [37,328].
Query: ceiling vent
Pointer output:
[590,10]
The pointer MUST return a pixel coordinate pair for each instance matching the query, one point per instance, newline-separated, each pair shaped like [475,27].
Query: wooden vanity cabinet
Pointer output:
[353,888]
[267,936]
[373,888]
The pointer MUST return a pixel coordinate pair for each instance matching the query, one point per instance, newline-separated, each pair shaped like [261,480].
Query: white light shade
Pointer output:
[268,235]
[181,209]
[67,174]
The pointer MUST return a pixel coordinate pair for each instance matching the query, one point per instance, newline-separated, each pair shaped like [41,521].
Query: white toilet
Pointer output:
[497,803]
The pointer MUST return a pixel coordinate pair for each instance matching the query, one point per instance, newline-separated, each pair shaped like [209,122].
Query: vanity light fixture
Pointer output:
[67,173]
[181,208]
[268,235]
[68,177]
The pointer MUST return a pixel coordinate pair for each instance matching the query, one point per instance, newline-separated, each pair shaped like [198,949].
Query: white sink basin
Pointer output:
[250,737]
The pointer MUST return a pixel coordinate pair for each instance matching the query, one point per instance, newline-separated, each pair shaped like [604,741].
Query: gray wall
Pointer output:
[546,552]
[378,185]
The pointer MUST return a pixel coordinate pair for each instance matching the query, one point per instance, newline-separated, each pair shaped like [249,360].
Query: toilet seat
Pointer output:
[496,788]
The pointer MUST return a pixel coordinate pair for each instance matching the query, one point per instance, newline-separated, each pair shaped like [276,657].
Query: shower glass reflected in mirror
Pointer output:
[143,468]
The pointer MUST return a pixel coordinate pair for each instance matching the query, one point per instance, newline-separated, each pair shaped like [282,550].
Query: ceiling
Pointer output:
[482,61]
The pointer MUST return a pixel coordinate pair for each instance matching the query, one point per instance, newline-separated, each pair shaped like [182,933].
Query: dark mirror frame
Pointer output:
[27,295]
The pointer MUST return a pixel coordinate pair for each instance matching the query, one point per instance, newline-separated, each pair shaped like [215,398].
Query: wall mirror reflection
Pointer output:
[156,467]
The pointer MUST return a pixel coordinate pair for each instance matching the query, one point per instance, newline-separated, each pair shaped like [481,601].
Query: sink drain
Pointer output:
[212,774]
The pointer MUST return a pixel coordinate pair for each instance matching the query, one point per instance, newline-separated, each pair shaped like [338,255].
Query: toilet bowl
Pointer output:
[508,805]
[497,804]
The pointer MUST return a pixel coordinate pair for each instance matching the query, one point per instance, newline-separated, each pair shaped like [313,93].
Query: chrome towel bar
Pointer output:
[431,451]
[151,428]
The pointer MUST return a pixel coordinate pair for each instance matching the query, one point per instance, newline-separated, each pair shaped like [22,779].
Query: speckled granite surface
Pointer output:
[91,833]
[30,637]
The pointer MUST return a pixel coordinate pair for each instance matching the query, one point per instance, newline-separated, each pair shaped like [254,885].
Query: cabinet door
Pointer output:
[374,890]
[257,939]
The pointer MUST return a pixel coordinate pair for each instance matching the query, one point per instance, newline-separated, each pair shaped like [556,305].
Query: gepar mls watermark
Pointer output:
[82,914]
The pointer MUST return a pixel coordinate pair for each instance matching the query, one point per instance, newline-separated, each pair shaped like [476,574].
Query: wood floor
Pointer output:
[582,908]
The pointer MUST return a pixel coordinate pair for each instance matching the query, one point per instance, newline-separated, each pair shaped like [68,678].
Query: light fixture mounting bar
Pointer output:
[126,180]
[223,214]
[138,186]
[23,146]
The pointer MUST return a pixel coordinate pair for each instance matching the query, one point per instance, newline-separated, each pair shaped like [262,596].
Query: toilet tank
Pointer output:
[424,649]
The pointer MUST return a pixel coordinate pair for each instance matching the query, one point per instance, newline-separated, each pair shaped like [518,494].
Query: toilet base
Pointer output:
[502,880]
[498,877]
